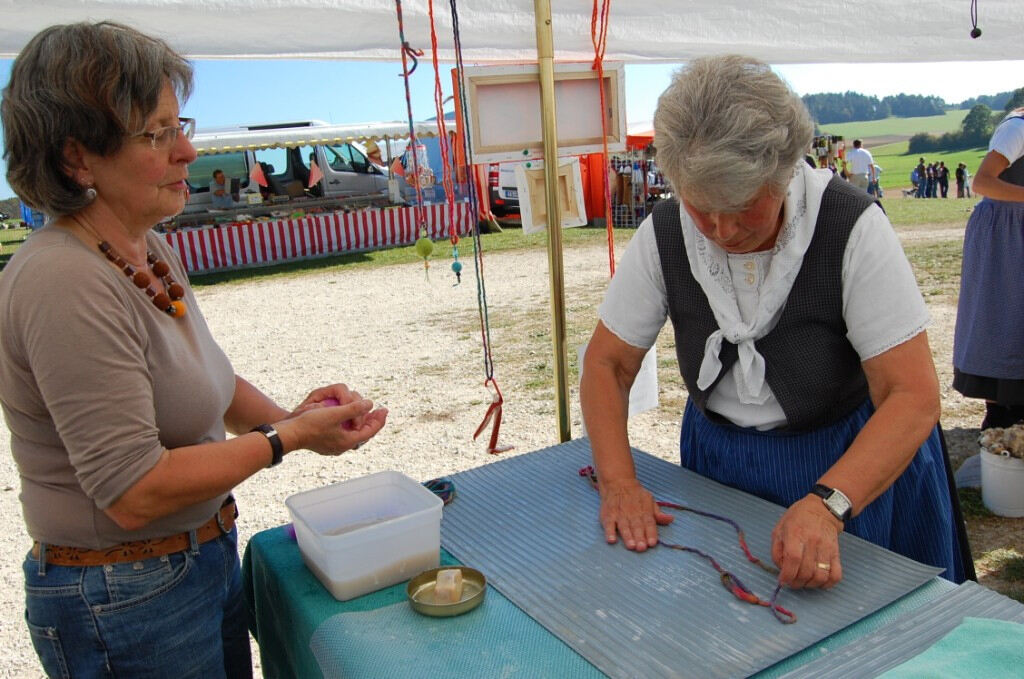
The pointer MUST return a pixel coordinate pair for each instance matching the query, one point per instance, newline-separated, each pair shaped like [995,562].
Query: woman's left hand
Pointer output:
[805,545]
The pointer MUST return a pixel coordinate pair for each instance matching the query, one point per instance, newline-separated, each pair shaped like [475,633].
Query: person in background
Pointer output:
[967,181]
[942,176]
[959,174]
[117,397]
[759,259]
[873,187]
[922,179]
[859,166]
[987,359]
[220,192]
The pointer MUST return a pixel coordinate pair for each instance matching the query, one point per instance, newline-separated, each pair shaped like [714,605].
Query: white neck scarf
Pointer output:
[710,266]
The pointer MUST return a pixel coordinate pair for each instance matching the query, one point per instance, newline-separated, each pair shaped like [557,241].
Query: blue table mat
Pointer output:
[530,523]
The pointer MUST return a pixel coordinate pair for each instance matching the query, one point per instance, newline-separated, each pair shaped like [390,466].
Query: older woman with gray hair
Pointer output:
[799,333]
[116,395]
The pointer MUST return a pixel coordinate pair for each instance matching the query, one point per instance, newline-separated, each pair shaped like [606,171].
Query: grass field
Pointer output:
[893,126]
[894,159]
[897,163]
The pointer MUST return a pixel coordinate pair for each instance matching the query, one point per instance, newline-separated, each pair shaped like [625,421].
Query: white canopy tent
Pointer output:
[237,140]
[778,32]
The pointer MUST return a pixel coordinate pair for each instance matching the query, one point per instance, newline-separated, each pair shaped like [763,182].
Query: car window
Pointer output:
[339,157]
[200,171]
[306,156]
[278,158]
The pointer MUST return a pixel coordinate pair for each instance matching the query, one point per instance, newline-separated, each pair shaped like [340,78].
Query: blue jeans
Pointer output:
[174,616]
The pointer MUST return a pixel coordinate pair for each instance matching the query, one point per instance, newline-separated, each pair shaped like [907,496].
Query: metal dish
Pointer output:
[420,592]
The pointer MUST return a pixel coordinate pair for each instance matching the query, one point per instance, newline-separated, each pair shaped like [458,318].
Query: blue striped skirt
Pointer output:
[914,517]
[990,312]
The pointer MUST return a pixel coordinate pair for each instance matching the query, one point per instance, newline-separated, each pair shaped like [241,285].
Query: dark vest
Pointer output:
[1015,172]
[810,366]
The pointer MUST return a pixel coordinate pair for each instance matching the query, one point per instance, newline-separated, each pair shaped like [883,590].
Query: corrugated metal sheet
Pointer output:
[530,524]
[912,634]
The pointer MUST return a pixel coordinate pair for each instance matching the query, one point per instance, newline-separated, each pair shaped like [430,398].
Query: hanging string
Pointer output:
[494,409]
[975,31]
[729,580]
[599,38]
[409,53]
[442,135]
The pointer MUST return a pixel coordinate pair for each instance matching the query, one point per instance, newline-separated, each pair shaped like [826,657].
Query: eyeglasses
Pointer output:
[163,138]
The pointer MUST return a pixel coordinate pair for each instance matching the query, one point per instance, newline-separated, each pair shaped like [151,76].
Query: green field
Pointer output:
[896,164]
[893,126]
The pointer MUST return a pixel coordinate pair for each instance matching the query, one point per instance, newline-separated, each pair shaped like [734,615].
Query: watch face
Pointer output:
[837,504]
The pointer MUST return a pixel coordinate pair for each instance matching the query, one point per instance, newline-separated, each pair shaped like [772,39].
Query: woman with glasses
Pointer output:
[117,398]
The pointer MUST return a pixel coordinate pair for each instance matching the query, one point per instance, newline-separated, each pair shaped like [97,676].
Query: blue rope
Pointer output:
[467,143]
[441,487]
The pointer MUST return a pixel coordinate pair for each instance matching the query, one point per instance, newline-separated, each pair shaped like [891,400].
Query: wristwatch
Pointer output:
[835,501]
[276,447]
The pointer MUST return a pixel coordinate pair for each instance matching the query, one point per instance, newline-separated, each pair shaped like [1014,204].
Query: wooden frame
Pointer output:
[503,104]
[532,195]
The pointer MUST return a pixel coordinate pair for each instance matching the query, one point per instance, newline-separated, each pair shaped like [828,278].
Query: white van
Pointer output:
[286,152]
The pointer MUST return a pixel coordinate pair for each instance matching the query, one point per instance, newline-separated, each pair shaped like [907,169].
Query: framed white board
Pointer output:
[503,104]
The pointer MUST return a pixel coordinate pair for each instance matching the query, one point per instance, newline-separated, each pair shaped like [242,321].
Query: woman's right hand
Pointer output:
[628,509]
[332,430]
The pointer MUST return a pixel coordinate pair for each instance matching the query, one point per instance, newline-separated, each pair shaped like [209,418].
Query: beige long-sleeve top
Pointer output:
[95,382]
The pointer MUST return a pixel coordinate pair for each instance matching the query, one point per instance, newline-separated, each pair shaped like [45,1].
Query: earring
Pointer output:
[90,194]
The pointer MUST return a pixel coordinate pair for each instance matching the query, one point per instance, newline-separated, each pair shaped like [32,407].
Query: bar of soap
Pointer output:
[448,586]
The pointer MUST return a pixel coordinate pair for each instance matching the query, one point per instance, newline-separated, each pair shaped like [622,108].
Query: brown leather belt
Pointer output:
[220,523]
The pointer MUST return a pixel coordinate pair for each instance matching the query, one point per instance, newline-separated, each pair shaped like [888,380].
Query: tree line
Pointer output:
[975,129]
[846,107]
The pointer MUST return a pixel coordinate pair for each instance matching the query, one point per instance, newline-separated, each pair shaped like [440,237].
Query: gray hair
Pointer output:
[95,83]
[726,127]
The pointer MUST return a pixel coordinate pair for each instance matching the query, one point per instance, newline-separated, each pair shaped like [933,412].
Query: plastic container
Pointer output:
[362,535]
[1002,484]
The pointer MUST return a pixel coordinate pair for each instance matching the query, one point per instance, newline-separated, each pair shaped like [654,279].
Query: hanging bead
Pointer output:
[141,279]
[176,291]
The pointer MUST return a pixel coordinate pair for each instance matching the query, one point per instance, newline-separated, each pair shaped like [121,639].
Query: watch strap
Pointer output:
[276,447]
[826,494]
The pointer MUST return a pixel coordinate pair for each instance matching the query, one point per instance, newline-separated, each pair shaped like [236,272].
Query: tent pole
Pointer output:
[546,69]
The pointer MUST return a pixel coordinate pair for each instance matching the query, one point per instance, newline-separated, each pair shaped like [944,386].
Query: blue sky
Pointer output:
[231,92]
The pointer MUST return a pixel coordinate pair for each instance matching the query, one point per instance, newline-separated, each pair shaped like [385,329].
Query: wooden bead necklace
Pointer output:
[170,301]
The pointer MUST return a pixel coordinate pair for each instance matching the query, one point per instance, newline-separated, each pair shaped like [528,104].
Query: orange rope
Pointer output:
[599,38]
[442,132]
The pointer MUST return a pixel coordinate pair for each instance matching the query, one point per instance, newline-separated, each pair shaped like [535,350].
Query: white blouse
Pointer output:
[882,304]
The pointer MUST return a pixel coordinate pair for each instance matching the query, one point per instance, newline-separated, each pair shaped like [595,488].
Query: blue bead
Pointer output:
[456,267]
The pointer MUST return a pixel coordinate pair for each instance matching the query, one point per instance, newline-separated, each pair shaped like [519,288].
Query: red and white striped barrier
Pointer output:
[234,246]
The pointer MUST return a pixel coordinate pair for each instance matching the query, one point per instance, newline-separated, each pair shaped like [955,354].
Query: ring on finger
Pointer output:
[824,566]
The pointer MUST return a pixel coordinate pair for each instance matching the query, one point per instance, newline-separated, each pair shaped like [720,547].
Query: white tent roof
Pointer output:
[238,140]
[779,32]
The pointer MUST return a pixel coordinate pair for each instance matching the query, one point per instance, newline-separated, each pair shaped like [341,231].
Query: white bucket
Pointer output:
[1002,484]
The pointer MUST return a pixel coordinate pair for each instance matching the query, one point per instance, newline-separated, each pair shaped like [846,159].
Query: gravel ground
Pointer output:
[411,343]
